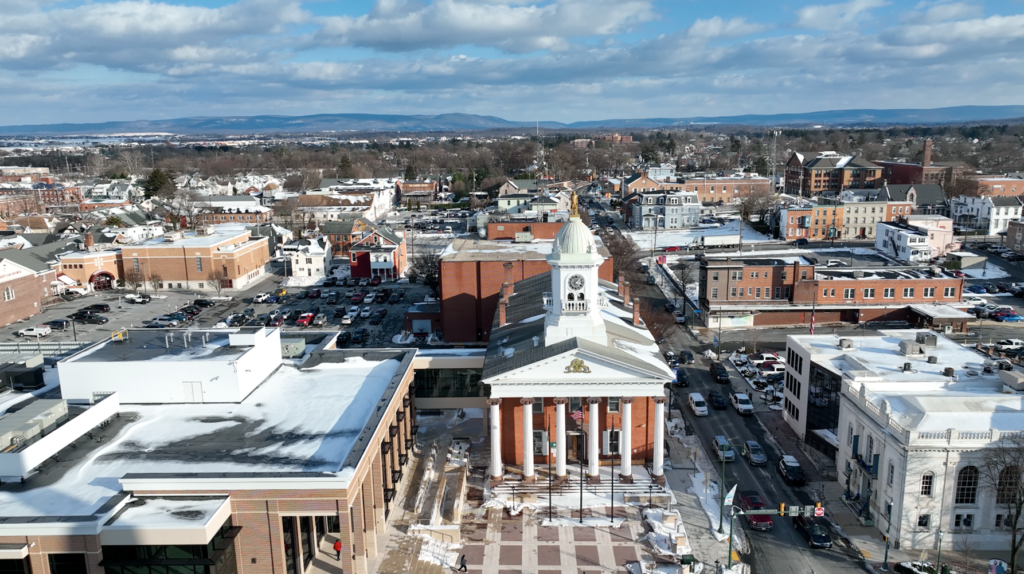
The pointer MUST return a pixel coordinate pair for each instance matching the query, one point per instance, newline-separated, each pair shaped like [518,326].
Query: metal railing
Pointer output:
[45,348]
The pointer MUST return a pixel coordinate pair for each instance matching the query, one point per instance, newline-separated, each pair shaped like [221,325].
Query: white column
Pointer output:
[496,470]
[659,436]
[560,437]
[527,439]
[594,441]
[626,439]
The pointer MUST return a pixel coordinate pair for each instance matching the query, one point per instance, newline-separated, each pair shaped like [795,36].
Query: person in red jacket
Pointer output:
[337,549]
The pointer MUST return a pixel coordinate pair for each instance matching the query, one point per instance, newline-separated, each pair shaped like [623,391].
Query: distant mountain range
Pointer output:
[471,122]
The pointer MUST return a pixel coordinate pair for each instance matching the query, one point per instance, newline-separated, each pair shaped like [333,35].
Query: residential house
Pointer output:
[662,210]
[344,232]
[380,253]
[309,257]
[990,214]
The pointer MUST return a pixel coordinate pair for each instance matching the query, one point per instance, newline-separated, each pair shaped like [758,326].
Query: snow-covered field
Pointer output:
[990,272]
[685,237]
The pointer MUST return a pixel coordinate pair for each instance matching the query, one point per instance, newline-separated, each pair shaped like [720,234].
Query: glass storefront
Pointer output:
[19,566]
[67,564]
[215,557]
[288,530]
[436,383]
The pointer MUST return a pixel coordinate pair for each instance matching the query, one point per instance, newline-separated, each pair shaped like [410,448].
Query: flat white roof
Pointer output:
[298,420]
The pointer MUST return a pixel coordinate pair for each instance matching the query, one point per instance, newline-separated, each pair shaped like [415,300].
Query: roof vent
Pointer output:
[858,274]
[927,340]
[948,372]
[845,343]
[932,359]
[907,367]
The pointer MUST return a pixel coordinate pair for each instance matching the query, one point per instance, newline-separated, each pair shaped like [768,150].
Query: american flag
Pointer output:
[577,414]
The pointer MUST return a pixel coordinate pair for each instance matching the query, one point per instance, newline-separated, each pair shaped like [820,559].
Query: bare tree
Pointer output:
[134,279]
[132,159]
[1001,470]
[427,266]
[185,205]
[216,278]
[156,281]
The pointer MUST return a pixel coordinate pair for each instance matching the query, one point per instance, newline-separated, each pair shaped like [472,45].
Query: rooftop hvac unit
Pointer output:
[927,339]
[845,343]
[1003,366]
[908,348]
[859,274]
[932,359]
[524,237]
[948,372]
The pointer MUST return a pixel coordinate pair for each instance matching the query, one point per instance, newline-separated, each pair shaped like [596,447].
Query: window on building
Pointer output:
[848,293]
[135,264]
[929,291]
[538,405]
[714,276]
[803,275]
[199,263]
[750,291]
[785,292]
[67,564]
[757,293]
[714,292]
[778,292]
[889,293]
[891,476]
[927,480]
[908,292]
[923,520]
[613,404]
[949,292]
[1008,485]
[9,294]
[869,293]
[733,292]
[831,292]
[824,292]
[963,521]
[966,486]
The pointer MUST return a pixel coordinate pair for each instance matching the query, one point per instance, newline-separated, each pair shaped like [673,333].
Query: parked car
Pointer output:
[394,298]
[682,380]
[976,289]
[362,283]
[314,294]
[366,312]
[754,453]
[97,307]
[378,317]
[357,298]
[1009,318]
[974,301]
[203,303]
[959,274]
[343,338]
[800,242]
[137,299]
[679,317]
[686,357]
[276,321]
[718,401]
[58,324]
[359,336]
[718,373]
[757,359]
[741,402]
[304,320]
[750,500]
[790,470]
[375,281]
[1008,344]
[260,298]
[370,298]
[320,320]
[37,331]
[93,319]
[347,319]
[249,312]
[814,530]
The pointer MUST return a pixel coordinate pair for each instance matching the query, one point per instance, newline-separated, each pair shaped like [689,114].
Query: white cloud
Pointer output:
[407,25]
[835,16]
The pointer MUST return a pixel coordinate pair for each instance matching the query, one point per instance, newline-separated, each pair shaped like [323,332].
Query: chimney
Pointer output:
[89,241]
[501,314]
[636,312]
[622,281]
[625,293]
[508,274]
[506,291]
[926,161]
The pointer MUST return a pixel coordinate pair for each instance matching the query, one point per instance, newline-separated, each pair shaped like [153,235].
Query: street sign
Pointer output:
[819,511]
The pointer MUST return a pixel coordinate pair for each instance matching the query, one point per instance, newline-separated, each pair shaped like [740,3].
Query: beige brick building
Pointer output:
[190,262]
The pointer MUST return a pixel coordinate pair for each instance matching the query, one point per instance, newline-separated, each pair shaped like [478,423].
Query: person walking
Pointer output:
[337,549]
[462,564]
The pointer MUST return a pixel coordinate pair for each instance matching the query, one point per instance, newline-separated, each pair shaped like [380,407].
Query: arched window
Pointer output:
[966,486]
[8,294]
[1008,486]
[927,480]
[571,297]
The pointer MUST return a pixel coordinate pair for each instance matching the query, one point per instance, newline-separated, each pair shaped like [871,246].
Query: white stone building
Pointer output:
[309,257]
[907,415]
[991,214]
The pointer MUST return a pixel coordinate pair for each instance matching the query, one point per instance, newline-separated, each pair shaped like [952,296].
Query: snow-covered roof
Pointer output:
[299,420]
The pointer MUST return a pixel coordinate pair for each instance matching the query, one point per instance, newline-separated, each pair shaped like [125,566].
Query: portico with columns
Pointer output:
[574,375]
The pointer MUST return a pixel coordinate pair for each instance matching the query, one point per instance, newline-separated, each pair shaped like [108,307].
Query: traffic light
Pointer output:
[782,509]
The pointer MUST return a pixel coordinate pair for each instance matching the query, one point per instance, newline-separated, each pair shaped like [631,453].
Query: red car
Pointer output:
[673,248]
[276,321]
[357,298]
[314,294]
[375,281]
[304,320]
[753,501]
[960,274]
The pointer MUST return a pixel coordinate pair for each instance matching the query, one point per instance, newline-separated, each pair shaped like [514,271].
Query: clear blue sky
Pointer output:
[563,60]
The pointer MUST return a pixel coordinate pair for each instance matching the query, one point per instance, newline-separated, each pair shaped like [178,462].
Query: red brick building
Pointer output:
[498,230]
[24,289]
[471,277]
[726,189]
[752,292]
[829,171]
[380,252]
[899,173]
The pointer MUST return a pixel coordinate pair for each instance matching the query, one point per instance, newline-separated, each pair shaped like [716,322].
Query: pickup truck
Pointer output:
[1010,344]
[137,299]
[37,331]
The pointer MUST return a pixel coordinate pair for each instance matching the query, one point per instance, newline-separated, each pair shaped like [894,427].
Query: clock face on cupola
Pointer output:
[576,283]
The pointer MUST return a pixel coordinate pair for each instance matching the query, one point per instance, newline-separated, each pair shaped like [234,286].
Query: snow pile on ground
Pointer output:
[437,552]
[513,508]
[675,429]
[990,271]
[663,537]
[403,338]
[297,281]
[685,237]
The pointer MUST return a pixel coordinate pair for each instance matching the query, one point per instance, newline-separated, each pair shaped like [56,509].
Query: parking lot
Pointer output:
[126,315]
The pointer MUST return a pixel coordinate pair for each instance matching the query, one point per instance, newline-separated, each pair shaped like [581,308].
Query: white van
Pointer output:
[698,405]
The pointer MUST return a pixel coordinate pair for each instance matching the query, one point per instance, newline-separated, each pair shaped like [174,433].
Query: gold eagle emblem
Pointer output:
[577,366]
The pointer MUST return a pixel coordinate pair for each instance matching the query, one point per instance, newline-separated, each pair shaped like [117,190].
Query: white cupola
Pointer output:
[573,307]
